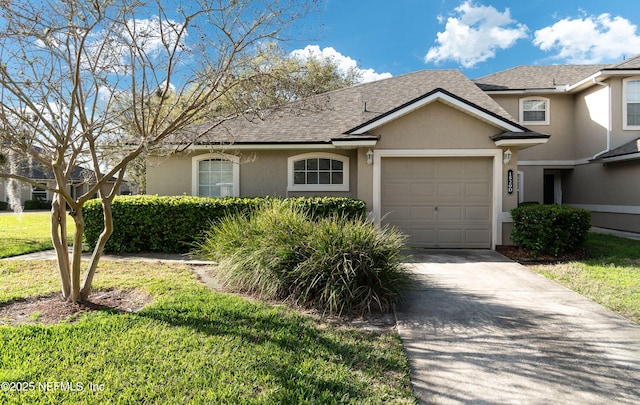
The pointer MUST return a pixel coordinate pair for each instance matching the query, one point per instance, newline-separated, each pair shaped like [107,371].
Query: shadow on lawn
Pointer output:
[297,340]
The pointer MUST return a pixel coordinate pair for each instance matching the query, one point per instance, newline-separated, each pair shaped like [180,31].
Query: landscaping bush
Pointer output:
[550,229]
[173,224]
[3,205]
[336,263]
[37,205]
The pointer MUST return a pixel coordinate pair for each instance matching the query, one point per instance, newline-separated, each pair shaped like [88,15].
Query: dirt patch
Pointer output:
[53,309]
[526,256]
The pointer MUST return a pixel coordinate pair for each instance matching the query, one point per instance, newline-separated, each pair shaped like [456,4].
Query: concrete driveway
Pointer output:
[482,329]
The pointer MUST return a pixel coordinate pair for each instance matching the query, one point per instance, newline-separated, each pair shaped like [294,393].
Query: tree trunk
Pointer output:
[97,251]
[76,259]
[59,239]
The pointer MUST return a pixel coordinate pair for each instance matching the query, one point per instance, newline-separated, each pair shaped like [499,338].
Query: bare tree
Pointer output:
[81,80]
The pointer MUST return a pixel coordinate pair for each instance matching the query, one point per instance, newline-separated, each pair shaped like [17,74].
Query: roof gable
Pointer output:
[442,96]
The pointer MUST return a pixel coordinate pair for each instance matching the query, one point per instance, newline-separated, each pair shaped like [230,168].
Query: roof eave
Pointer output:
[520,140]
[621,158]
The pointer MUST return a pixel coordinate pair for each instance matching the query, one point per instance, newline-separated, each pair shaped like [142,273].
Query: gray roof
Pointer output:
[537,77]
[332,115]
[628,149]
[632,63]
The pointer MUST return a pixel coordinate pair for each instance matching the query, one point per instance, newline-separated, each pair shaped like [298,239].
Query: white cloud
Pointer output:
[475,35]
[590,39]
[344,63]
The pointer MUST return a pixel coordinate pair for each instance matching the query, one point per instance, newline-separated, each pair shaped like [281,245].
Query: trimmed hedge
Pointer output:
[550,229]
[37,205]
[173,224]
[3,205]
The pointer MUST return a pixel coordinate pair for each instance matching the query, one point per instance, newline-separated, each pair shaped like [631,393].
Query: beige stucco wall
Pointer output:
[561,145]
[262,172]
[436,126]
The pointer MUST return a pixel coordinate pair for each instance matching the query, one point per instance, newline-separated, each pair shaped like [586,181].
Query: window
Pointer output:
[631,106]
[318,172]
[215,175]
[38,194]
[534,110]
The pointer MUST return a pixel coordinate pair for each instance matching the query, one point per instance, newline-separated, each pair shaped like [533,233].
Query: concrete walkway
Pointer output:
[482,329]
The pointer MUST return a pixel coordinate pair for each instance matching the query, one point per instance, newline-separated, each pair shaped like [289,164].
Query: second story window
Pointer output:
[534,110]
[631,103]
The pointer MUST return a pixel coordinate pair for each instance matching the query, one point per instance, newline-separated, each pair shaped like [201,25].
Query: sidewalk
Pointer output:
[144,257]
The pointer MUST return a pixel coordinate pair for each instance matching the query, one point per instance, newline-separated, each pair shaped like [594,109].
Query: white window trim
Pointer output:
[318,187]
[625,125]
[547,114]
[235,160]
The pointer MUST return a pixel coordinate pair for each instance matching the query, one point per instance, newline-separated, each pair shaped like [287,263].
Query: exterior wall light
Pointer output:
[369,156]
[507,156]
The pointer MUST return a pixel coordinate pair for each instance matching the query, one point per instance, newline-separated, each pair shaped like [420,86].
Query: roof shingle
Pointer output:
[326,116]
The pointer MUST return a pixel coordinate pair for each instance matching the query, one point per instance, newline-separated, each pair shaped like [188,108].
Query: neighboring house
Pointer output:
[439,156]
[592,159]
[80,179]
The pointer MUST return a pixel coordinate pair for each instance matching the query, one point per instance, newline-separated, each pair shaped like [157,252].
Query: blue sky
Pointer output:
[478,37]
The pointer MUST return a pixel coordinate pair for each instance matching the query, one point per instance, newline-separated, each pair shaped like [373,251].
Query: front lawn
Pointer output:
[190,345]
[27,232]
[610,275]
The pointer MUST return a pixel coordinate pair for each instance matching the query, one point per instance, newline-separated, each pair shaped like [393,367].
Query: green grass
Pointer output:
[609,276]
[27,232]
[191,345]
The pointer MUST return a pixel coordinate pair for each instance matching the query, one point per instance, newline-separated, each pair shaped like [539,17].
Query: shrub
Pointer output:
[550,229]
[37,205]
[3,205]
[173,224]
[336,264]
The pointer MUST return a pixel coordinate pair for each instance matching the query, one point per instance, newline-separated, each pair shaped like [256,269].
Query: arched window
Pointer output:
[215,175]
[534,110]
[318,172]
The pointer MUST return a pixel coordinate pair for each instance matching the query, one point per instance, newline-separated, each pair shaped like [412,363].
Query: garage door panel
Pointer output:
[423,213]
[481,190]
[448,190]
[478,213]
[450,213]
[439,202]
[420,237]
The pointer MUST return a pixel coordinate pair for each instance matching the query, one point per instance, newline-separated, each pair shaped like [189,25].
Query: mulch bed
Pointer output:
[525,256]
[52,309]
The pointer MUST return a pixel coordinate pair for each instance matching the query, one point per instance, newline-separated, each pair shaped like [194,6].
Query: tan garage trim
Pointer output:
[496,176]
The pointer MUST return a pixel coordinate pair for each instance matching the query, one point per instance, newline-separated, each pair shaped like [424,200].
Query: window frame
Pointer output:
[625,103]
[39,193]
[547,115]
[318,187]
[195,170]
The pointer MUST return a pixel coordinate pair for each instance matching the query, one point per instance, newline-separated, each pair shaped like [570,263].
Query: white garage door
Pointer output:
[439,202]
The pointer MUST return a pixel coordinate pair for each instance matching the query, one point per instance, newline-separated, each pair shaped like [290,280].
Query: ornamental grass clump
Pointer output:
[335,264]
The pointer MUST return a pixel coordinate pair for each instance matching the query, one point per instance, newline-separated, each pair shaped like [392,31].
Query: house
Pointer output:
[441,157]
[79,182]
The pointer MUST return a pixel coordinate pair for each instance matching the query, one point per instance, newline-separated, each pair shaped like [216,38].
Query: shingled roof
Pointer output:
[631,63]
[537,77]
[628,151]
[332,115]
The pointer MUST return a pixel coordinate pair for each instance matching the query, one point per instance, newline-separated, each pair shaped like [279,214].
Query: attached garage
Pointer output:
[439,202]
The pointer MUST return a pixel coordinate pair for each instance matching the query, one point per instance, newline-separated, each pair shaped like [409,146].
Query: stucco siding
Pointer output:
[436,126]
[261,173]
[561,145]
